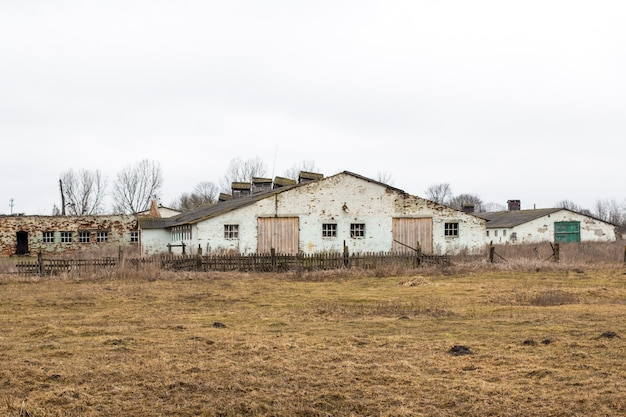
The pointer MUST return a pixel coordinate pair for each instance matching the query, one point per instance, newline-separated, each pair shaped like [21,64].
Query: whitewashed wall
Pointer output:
[323,202]
[542,229]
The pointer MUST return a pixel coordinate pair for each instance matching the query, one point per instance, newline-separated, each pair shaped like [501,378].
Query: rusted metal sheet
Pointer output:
[21,235]
[279,233]
[409,232]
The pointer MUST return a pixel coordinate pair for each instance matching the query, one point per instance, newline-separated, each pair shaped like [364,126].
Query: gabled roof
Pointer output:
[206,212]
[506,219]
[513,218]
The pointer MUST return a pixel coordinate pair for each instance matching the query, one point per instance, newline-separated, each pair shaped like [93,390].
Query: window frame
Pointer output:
[134,236]
[47,237]
[84,236]
[102,236]
[329,230]
[357,230]
[451,229]
[67,237]
[231,231]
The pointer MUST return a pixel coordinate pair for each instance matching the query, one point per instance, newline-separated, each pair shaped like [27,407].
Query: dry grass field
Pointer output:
[478,340]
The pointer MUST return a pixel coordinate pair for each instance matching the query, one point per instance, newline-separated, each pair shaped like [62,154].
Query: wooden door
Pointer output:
[279,233]
[408,232]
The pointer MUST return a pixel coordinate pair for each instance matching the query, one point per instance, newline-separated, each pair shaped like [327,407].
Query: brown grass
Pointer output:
[545,340]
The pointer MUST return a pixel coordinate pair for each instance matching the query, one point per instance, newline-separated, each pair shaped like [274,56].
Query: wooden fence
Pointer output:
[236,262]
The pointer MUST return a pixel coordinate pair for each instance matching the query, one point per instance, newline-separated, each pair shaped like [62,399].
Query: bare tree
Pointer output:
[304,165]
[609,211]
[384,177]
[570,205]
[135,185]
[439,193]
[490,207]
[83,192]
[203,194]
[242,171]
[460,200]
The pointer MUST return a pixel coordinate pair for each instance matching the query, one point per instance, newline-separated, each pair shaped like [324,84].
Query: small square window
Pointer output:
[231,231]
[84,237]
[102,236]
[48,237]
[357,230]
[451,229]
[329,230]
[487,233]
[67,237]
[134,236]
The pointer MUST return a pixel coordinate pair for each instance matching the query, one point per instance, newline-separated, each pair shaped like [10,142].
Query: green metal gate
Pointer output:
[566,232]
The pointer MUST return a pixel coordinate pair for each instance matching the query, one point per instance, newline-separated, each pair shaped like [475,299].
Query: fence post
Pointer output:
[346,255]
[40,263]
[199,250]
[556,250]
[492,251]
[183,245]
[418,253]
[624,254]
[169,248]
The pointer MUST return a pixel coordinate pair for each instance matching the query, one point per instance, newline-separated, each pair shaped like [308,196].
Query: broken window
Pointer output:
[180,233]
[329,230]
[357,230]
[231,231]
[451,229]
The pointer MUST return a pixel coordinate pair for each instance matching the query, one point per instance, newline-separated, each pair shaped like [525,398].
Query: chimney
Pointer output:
[468,208]
[309,176]
[261,184]
[514,205]
[240,189]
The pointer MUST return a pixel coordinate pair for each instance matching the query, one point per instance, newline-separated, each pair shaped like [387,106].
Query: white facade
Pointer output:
[542,229]
[343,200]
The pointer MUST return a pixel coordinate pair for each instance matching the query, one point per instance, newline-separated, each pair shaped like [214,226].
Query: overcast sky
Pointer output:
[502,99]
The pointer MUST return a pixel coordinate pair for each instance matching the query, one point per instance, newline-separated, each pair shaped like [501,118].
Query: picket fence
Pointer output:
[270,262]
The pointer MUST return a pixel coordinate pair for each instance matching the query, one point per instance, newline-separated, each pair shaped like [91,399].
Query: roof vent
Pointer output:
[309,176]
[468,208]
[283,182]
[240,189]
[261,184]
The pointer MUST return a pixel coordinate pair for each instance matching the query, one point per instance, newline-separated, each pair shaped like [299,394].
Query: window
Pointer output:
[48,237]
[102,236]
[329,230]
[487,233]
[231,231]
[357,230]
[495,233]
[84,237]
[134,236]
[180,233]
[451,229]
[514,237]
[504,233]
[66,237]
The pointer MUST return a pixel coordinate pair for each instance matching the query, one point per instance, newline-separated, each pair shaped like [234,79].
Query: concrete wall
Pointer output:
[542,229]
[119,229]
[342,199]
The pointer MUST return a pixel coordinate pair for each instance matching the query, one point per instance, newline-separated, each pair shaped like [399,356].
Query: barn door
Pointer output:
[279,233]
[408,232]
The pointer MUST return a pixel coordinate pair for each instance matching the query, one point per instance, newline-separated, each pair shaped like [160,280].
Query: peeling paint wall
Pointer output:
[542,229]
[342,200]
[65,234]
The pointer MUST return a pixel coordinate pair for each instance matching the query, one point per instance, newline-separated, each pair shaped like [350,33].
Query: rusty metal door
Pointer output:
[279,233]
[409,232]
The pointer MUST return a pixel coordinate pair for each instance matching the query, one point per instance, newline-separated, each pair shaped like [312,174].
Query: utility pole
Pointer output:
[62,198]
[11,203]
